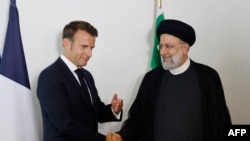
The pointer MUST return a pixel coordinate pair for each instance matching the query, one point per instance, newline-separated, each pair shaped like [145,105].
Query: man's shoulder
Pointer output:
[52,68]
[153,74]
[155,71]
[203,67]
[205,70]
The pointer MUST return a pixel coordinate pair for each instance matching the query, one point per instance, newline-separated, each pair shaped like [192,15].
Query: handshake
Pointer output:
[113,137]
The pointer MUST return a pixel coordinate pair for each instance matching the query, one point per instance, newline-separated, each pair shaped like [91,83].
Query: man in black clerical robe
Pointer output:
[181,100]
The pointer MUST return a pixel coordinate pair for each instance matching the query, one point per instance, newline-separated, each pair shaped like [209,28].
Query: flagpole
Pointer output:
[159,2]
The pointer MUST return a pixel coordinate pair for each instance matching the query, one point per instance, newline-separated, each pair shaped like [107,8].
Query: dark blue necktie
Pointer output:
[84,85]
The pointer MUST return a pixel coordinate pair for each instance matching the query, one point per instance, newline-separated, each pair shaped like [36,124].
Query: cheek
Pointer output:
[166,51]
[79,51]
[185,51]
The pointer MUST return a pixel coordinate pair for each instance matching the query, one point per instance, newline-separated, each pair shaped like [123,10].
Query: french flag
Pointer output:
[17,114]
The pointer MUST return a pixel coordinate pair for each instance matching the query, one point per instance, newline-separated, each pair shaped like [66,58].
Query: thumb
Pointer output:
[115,97]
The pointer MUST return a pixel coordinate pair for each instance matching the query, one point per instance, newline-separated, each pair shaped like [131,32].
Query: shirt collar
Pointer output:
[70,65]
[181,69]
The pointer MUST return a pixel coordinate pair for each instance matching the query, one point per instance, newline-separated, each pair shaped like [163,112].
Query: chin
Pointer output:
[166,66]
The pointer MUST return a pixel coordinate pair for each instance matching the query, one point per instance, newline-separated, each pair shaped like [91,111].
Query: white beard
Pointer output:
[176,60]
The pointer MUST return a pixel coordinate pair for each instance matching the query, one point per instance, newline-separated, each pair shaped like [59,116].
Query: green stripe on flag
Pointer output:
[156,59]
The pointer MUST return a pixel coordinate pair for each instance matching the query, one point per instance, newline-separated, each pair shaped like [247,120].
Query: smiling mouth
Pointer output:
[167,57]
[85,59]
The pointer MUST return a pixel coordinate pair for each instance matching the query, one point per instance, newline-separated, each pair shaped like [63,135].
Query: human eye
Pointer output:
[169,46]
[159,47]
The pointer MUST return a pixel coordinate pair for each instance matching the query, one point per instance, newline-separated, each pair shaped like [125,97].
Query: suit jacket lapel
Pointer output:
[73,81]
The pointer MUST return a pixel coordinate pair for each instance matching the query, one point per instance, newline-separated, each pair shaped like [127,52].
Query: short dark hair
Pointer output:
[70,29]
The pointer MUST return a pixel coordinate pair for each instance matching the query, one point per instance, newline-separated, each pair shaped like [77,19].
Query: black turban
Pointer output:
[178,29]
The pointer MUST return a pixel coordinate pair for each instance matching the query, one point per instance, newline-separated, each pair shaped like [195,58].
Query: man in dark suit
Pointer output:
[70,105]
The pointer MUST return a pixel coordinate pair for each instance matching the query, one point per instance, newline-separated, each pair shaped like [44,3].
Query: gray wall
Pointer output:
[123,48]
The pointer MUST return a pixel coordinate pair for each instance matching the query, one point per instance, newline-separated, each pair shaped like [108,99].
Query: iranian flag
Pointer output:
[156,59]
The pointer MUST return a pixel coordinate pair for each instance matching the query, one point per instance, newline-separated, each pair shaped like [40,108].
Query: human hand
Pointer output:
[117,104]
[109,137]
[113,137]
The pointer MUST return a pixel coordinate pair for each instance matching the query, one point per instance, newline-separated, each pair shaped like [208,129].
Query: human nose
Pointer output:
[89,52]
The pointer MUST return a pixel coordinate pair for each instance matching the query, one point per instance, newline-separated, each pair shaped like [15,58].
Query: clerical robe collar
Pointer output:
[181,69]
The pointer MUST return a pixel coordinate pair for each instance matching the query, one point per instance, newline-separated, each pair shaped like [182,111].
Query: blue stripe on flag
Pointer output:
[13,64]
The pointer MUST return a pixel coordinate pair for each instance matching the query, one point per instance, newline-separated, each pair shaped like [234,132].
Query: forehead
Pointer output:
[168,38]
[82,35]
